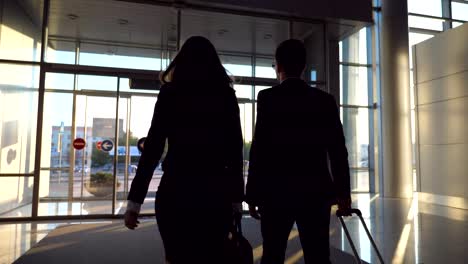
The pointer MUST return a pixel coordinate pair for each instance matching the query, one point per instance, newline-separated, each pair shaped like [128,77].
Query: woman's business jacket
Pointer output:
[203,168]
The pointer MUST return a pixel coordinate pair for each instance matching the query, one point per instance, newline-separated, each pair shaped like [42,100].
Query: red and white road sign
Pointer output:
[79,143]
[98,145]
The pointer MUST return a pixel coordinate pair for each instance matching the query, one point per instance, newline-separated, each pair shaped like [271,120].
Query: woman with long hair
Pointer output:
[198,114]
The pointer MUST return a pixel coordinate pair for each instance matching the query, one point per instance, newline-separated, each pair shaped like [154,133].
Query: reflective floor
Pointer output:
[406,231]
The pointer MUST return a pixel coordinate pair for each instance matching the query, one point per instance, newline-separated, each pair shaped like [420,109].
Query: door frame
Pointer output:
[117,94]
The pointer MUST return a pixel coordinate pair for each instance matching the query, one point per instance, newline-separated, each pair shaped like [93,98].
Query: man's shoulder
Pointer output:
[321,94]
[267,92]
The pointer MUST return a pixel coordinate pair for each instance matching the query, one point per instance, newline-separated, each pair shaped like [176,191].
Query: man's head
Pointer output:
[290,58]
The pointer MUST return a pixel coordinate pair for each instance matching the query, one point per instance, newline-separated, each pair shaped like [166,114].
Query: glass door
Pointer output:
[138,110]
[78,138]
[94,170]
[246,117]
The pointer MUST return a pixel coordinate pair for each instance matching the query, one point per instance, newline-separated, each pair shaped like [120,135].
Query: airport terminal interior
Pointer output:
[79,80]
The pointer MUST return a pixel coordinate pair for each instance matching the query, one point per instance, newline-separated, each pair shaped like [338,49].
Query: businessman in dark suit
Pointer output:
[298,135]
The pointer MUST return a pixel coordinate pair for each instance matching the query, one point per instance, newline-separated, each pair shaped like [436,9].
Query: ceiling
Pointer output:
[143,25]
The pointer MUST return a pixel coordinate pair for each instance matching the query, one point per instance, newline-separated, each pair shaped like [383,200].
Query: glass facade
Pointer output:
[18,116]
[356,104]
[99,74]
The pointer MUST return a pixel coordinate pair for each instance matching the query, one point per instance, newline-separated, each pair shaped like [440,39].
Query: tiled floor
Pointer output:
[405,231]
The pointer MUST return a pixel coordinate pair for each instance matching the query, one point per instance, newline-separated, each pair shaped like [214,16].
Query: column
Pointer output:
[395,100]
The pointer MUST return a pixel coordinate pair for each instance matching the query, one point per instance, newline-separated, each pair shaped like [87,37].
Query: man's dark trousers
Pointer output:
[313,223]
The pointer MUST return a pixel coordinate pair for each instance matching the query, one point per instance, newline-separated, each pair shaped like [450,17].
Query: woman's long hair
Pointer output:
[197,61]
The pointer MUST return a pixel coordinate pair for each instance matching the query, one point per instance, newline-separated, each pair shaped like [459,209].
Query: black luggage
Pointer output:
[340,214]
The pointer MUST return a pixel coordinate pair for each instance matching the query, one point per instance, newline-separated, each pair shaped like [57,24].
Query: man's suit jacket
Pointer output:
[298,136]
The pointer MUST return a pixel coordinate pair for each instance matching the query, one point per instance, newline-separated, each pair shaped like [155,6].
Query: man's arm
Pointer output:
[338,155]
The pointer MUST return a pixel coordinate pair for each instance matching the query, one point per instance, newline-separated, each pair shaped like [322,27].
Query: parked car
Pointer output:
[132,168]
[80,169]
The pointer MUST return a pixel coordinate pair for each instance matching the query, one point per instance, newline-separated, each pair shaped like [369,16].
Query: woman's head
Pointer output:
[196,61]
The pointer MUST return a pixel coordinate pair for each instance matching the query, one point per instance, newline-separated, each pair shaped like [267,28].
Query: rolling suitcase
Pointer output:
[340,214]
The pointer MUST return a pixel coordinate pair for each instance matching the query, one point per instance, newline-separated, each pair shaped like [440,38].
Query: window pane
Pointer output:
[460,11]
[18,117]
[246,122]
[456,24]
[354,48]
[100,83]
[59,81]
[16,198]
[237,66]
[425,23]
[356,128]
[120,57]
[61,52]
[264,68]
[243,91]
[20,30]
[354,85]
[57,131]
[359,180]
[426,7]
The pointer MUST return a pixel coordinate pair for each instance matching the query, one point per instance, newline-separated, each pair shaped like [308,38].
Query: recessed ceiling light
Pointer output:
[122,21]
[268,36]
[72,16]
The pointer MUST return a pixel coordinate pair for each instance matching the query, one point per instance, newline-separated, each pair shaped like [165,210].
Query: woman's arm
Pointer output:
[234,155]
[153,149]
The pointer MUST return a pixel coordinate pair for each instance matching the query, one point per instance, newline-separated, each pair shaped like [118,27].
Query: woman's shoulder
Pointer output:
[166,89]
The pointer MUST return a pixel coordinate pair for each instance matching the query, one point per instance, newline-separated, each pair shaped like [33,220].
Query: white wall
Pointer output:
[19,40]
[441,86]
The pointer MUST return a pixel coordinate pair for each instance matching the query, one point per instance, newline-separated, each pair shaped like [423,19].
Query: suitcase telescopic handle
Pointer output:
[347,212]
[351,211]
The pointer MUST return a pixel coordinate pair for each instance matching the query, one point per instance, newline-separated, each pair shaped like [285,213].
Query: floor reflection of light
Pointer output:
[48,247]
[373,198]
[399,255]
[364,243]
[416,228]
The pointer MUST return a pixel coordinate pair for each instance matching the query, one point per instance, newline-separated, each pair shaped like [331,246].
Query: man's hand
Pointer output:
[254,212]
[131,219]
[344,205]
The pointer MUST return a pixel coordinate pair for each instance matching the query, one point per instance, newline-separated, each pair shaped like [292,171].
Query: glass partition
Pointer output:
[264,68]
[16,196]
[109,113]
[18,117]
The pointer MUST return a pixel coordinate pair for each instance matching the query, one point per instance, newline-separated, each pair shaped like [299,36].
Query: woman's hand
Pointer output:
[131,219]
